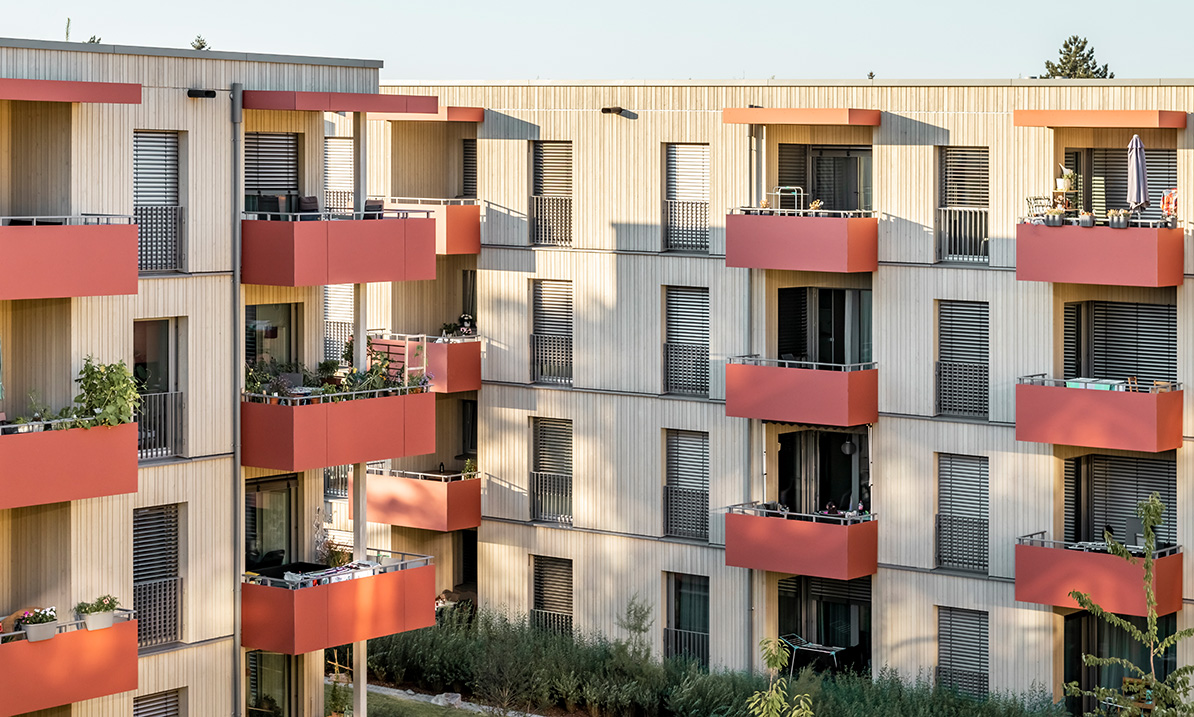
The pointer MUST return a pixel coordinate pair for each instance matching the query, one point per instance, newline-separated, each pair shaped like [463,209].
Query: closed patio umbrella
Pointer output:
[1137,175]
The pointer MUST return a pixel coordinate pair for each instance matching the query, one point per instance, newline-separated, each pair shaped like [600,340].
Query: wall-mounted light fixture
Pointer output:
[201,94]
[611,110]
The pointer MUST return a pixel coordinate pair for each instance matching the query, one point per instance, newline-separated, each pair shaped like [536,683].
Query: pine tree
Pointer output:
[199,43]
[1075,61]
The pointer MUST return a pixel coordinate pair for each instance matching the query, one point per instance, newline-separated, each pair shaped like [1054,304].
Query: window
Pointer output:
[551,470]
[270,333]
[551,193]
[687,631]
[551,337]
[271,170]
[468,428]
[468,169]
[1102,175]
[468,292]
[836,613]
[551,603]
[156,204]
[963,662]
[828,326]
[269,690]
[270,525]
[686,340]
[840,176]
[816,468]
[157,578]
[962,520]
[686,198]
[962,357]
[1117,340]
[686,485]
[159,418]
[1101,493]
[1087,635]
[339,174]
[962,206]
[161,704]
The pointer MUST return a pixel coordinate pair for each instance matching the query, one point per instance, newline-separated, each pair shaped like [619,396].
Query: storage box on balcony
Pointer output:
[457,224]
[799,395]
[293,437]
[422,500]
[802,243]
[55,466]
[1047,572]
[1137,256]
[49,261]
[341,251]
[71,667]
[796,545]
[1125,420]
[296,621]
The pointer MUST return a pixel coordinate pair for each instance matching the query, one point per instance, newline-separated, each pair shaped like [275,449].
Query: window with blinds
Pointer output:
[1101,492]
[468,168]
[1109,179]
[161,704]
[963,651]
[686,340]
[551,470]
[963,199]
[792,169]
[157,207]
[686,197]
[792,330]
[551,332]
[338,319]
[551,193]
[157,583]
[339,181]
[686,484]
[687,631]
[963,351]
[962,517]
[271,163]
[1133,340]
[551,599]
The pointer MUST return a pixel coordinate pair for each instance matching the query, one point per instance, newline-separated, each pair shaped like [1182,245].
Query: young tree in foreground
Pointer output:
[1074,61]
[1167,697]
[774,701]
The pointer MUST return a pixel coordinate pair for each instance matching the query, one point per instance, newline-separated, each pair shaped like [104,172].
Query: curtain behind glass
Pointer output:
[690,611]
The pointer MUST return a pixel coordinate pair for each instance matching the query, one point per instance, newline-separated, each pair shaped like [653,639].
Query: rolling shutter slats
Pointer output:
[965,177]
[963,652]
[1109,179]
[339,184]
[1072,472]
[688,459]
[553,169]
[854,591]
[1118,483]
[687,172]
[1072,341]
[553,584]
[155,543]
[687,315]
[792,172]
[1134,340]
[792,335]
[468,169]
[553,446]
[962,484]
[162,704]
[271,162]
[552,308]
[963,331]
[155,169]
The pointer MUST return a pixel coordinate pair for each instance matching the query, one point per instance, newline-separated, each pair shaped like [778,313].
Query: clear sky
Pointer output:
[646,39]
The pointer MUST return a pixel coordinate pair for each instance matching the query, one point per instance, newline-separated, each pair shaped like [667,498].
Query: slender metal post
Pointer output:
[238,486]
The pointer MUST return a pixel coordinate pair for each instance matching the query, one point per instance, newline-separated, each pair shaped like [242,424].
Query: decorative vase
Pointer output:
[99,620]
[41,631]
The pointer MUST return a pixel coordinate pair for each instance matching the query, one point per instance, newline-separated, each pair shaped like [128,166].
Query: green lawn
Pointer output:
[385,706]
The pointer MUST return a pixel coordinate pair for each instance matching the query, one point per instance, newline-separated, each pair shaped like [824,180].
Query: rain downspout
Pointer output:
[757,191]
[238,499]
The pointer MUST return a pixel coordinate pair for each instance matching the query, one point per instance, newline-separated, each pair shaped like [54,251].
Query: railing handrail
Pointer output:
[756,508]
[125,614]
[963,209]
[440,477]
[810,213]
[678,631]
[1094,545]
[248,397]
[462,201]
[66,219]
[425,338]
[550,196]
[963,363]
[51,422]
[1041,379]
[755,360]
[337,215]
[405,561]
[1134,222]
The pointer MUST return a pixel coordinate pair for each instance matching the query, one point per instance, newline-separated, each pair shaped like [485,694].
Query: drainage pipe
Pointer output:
[238,485]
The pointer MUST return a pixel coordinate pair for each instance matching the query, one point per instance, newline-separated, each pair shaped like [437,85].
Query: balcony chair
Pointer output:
[373,208]
[1037,207]
[270,203]
[308,205]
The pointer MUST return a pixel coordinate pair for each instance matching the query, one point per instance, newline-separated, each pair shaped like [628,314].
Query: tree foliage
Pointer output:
[199,43]
[1075,61]
[774,701]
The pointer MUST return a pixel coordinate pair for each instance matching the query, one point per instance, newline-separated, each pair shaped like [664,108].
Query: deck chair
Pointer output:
[1038,205]
[1162,386]
[1133,385]
[271,203]
[309,206]
[373,208]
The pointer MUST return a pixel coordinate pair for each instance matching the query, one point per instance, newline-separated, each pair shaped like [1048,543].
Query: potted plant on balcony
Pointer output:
[40,624]
[1086,219]
[1054,217]
[277,389]
[99,613]
[1118,218]
[107,393]
[814,208]
[327,373]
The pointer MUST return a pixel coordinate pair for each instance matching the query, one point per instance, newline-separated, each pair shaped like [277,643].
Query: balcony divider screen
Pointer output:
[468,168]
[551,193]
[161,704]
[551,477]
[962,513]
[339,180]
[686,487]
[157,584]
[964,199]
[156,206]
[551,607]
[686,197]
[963,353]
[792,169]
[551,327]
[686,347]
[963,650]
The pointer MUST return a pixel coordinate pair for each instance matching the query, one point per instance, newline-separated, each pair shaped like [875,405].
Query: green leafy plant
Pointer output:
[107,393]
[103,603]
[40,616]
[470,466]
[338,701]
[774,701]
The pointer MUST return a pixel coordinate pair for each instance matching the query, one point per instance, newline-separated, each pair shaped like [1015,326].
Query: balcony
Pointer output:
[454,363]
[72,464]
[430,501]
[1136,256]
[802,240]
[55,257]
[802,391]
[304,433]
[73,666]
[326,607]
[320,248]
[1047,570]
[686,226]
[551,497]
[551,220]
[551,359]
[457,222]
[837,547]
[962,235]
[1099,414]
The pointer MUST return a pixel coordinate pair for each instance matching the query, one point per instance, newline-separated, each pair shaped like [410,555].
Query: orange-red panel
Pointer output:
[454,366]
[1137,256]
[317,253]
[802,547]
[120,93]
[338,102]
[1046,575]
[445,114]
[461,232]
[420,248]
[801,115]
[794,243]
[286,438]
[796,395]
[85,463]
[51,262]
[371,429]
[284,253]
[1114,119]
[365,251]
[71,667]
[1124,420]
[420,424]
[425,504]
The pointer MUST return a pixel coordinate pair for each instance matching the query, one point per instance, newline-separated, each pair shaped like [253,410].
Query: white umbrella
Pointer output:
[1137,175]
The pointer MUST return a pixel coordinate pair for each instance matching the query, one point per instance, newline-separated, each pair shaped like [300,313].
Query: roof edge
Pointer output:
[102,48]
[1010,82]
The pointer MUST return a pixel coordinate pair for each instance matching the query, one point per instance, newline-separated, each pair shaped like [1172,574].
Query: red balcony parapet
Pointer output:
[298,434]
[824,546]
[797,240]
[326,607]
[1099,414]
[73,666]
[67,256]
[802,391]
[1136,256]
[317,249]
[1048,570]
[457,222]
[431,501]
[86,463]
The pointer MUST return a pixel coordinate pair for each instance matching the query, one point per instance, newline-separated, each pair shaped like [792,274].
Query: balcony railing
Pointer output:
[686,368]
[685,226]
[335,482]
[686,643]
[551,359]
[557,622]
[1039,540]
[551,497]
[802,239]
[962,234]
[686,512]
[774,510]
[159,238]
[755,360]
[962,542]
[68,220]
[967,682]
[551,220]
[962,389]
[1040,379]
[159,425]
[159,611]
[457,221]
[395,561]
